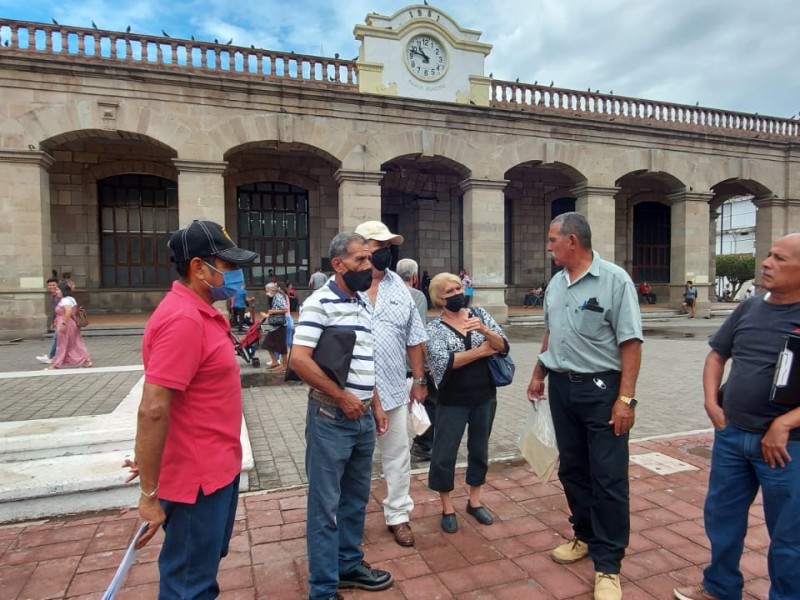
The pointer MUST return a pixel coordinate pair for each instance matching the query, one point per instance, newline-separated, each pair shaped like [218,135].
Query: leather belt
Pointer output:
[582,377]
[325,399]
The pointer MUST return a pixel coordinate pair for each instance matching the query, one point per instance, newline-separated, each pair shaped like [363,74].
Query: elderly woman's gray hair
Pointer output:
[271,287]
[407,268]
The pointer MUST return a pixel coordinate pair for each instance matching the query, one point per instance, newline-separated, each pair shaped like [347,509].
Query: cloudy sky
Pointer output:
[731,54]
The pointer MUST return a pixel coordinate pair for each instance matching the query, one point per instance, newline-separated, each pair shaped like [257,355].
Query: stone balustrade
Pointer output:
[608,107]
[20,38]
[62,42]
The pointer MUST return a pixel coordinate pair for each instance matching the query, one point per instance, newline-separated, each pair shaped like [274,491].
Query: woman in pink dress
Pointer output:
[70,349]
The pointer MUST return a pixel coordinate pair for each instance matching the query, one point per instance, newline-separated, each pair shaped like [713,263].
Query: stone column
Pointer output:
[359,197]
[690,213]
[598,205]
[201,191]
[484,241]
[775,217]
[712,254]
[25,242]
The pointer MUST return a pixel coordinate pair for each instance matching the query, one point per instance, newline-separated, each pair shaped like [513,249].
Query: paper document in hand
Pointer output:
[122,571]
[419,418]
[538,440]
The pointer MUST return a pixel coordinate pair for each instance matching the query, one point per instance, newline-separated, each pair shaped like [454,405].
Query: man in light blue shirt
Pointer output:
[398,330]
[591,352]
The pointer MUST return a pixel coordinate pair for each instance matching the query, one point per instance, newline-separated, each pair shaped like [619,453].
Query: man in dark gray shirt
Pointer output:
[757,441]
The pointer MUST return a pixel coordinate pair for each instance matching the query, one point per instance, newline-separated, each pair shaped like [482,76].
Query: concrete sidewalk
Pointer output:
[75,558]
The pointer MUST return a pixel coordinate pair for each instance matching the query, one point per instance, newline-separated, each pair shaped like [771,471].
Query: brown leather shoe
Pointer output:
[402,534]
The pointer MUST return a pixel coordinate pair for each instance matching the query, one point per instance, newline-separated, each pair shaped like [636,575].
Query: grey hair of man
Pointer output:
[341,242]
[407,268]
[574,223]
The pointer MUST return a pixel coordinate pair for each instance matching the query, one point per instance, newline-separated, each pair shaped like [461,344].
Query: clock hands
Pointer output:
[418,51]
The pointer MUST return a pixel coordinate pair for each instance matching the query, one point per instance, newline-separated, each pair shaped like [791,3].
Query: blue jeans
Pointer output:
[196,537]
[451,421]
[52,352]
[737,471]
[339,470]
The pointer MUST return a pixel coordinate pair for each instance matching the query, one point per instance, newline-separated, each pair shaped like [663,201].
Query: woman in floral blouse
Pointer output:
[460,342]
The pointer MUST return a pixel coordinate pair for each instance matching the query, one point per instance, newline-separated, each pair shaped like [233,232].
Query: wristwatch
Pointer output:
[632,402]
[421,380]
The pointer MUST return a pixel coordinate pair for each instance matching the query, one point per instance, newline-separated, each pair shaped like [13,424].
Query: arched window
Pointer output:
[652,232]
[273,221]
[137,213]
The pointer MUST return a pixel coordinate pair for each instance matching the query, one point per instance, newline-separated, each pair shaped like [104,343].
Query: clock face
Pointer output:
[426,57]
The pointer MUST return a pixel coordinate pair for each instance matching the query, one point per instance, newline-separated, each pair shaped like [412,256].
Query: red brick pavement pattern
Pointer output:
[76,557]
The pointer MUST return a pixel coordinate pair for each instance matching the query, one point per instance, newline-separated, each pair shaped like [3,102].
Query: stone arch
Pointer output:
[277,147]
[320,136]
[56,124]
[256,175]
[729,188]
[98,172]
[52,143]
[653,180]
[425,145]
[294,163]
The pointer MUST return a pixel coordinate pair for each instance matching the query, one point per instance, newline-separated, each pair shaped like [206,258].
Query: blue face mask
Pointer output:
[232,282]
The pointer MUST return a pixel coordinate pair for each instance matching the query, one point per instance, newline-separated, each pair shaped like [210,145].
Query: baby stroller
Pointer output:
[247,345]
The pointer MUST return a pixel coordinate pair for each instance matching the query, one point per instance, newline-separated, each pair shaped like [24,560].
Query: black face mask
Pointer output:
[358,281]
[456,303]
[382,259]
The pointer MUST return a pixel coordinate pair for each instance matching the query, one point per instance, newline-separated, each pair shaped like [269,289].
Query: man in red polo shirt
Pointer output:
[188,451]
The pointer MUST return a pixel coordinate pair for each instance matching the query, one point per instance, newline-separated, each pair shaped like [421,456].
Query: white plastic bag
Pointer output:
[538,440]
[419,418]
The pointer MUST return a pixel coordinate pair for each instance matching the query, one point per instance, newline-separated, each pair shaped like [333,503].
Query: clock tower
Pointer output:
[421,52]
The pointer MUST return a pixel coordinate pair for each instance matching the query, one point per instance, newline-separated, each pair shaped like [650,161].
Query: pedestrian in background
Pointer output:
[689,304]
[466,284]
[275,338]
[52,288]
[71,350]
[591,353]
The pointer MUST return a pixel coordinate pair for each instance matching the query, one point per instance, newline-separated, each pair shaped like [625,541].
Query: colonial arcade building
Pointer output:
[111,140]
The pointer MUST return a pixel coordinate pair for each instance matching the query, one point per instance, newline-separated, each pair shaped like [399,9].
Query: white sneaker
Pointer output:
[44,358]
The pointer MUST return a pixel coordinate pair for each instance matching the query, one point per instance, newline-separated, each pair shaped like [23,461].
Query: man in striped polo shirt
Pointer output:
[340,426]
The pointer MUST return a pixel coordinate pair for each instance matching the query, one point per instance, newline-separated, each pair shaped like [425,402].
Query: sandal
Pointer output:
[87,365]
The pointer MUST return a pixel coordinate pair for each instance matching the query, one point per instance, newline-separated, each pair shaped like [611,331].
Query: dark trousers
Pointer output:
[451,421]
[196,537]
[238,318]
[593,464]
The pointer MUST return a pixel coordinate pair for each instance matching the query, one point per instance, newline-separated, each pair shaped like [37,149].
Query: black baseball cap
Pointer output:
[206,238]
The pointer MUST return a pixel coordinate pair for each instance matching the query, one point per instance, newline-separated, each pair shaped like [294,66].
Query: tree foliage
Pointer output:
[738,268]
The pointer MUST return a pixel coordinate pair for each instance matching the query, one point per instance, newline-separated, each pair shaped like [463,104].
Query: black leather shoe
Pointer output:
[481,515]
[336,596]
[364,577]
[420,454]
[449,523]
